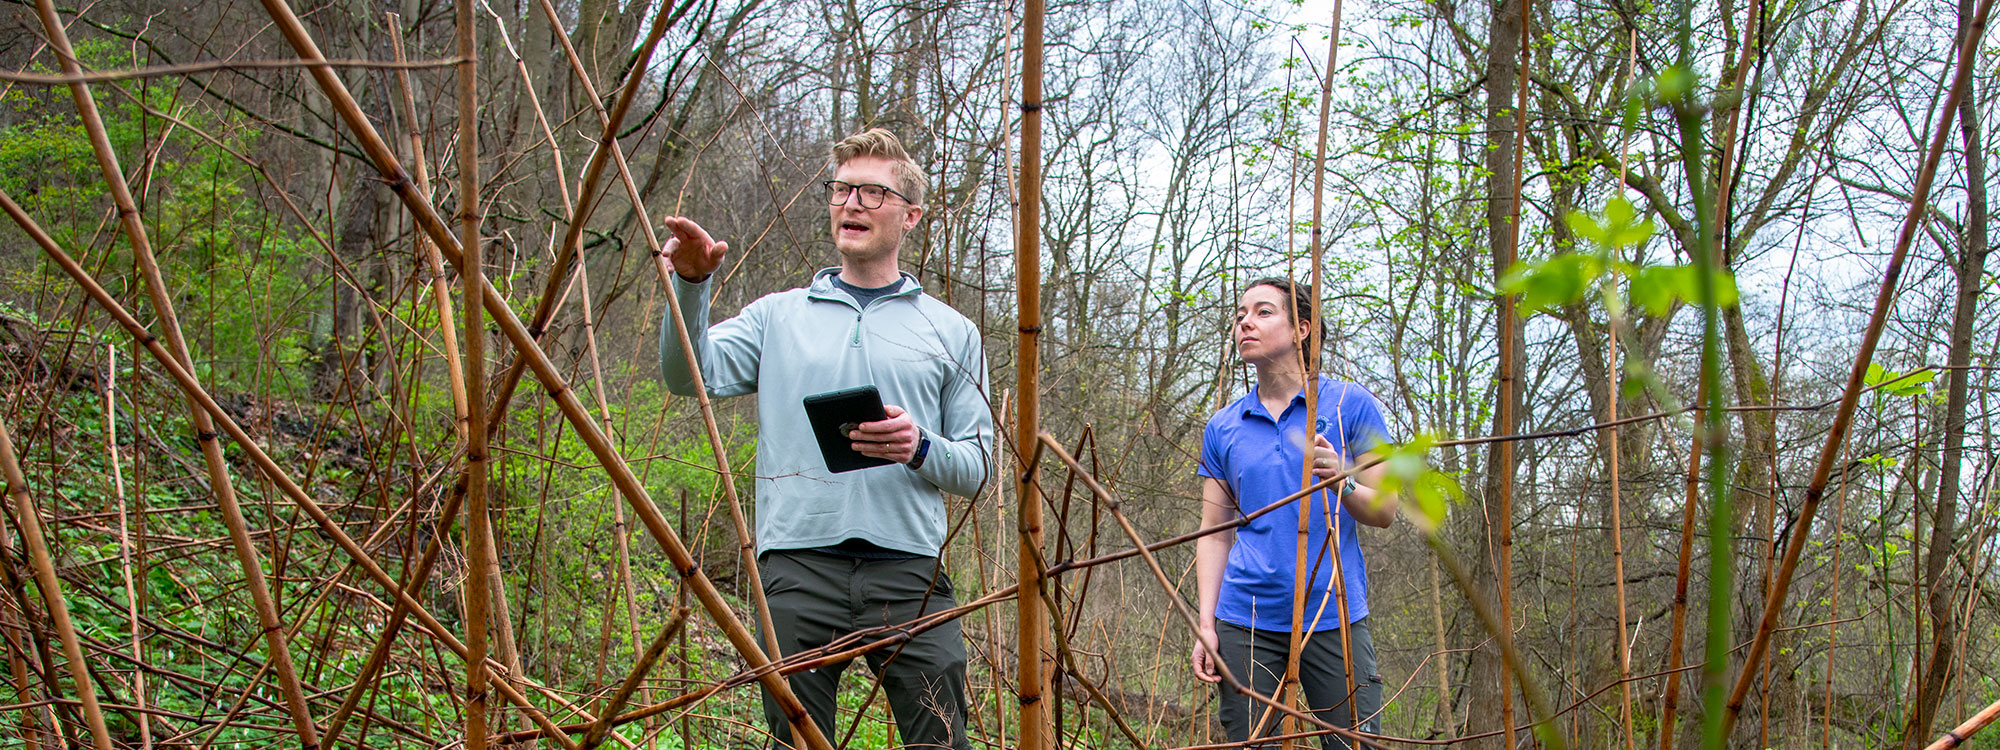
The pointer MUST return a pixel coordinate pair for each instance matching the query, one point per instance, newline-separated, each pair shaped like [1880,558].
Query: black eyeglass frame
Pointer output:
[856,190]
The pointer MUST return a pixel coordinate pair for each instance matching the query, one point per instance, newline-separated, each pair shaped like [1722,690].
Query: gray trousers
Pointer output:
[1257,658]
[817,597]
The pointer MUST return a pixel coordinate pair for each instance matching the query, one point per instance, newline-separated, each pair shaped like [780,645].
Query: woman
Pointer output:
[1253,454]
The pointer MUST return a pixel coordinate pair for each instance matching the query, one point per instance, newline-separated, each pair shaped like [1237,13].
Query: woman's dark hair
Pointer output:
[1301,295]
[1303,301]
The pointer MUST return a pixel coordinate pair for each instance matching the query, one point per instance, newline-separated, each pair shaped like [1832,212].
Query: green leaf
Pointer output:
[1410,474]
[1620,227]
[1880,462]
[1619,212]
[1585,227]
[1651,290]
[1913,384]
[1674,83]
[1876,375]
[1629,235]
[1551,283]
[1726,294]
[1896,383]
[1656,288]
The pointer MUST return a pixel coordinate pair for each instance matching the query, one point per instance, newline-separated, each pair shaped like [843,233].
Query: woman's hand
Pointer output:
[1204,665]
[1327,461]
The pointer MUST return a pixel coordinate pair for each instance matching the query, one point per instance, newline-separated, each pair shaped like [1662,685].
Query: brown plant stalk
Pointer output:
[228,425]
[595,735]
[45,578]
[426,252]
[619,530]
[1509,382]
[545,371]
[1958,735]
[17,668]
[210,66]
[1833,609]
[1614,369]
[127,548]
[1032,664]
[220,483]
[472,275]
[1315,250]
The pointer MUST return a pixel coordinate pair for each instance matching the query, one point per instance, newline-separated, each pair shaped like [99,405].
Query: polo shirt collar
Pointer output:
[1254,406]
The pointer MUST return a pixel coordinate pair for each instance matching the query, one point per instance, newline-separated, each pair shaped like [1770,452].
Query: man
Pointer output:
[855,550]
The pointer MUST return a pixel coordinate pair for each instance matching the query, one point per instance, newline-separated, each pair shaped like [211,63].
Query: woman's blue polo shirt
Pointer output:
[1261,460]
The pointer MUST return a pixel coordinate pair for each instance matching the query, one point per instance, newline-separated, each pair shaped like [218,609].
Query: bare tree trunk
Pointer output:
[1492,696]
[1756,469]
[591,17]
[1970,270]
[538,53]
[338,369]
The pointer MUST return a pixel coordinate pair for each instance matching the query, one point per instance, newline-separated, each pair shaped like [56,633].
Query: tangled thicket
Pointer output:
[1179,164]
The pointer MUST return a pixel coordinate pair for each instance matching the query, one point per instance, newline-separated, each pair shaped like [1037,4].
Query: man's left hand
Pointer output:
[894,438]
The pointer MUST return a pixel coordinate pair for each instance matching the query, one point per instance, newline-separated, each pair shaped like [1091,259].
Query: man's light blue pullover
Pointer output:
[920,353]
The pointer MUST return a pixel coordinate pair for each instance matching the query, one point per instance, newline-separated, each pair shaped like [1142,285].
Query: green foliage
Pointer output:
[1675,83]
[230,264]
[1565,278]
[1657,288]
[1410,473]
[1901,385]
[1879,462]
[1882,558]
[1551,283]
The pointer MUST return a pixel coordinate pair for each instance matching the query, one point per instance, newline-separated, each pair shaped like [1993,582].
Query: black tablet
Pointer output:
[833,414]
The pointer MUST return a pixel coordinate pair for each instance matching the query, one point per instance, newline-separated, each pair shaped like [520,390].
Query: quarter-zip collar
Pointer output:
[823,288]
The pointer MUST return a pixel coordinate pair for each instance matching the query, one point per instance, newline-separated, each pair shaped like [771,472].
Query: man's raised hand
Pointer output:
[693,254]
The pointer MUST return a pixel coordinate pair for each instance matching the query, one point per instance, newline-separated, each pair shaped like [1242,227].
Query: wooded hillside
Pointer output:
[1681,313]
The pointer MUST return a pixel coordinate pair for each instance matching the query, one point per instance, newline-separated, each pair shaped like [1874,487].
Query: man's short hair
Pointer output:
[883,144]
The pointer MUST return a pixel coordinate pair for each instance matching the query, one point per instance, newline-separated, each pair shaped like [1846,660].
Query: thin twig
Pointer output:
[183,69]
[595,735]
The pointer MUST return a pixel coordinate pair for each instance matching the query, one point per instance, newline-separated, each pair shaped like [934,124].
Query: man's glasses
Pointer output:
[871,196]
